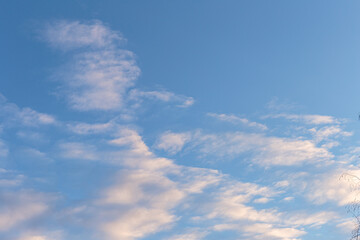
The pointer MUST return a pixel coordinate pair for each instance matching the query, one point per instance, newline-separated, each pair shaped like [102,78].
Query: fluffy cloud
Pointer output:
[100,73]
[149,188]
[149,196]
[149,193]
[340,186]
[137,223]
[98,80]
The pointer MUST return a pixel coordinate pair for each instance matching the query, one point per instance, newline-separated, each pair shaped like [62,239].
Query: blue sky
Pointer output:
[178,120]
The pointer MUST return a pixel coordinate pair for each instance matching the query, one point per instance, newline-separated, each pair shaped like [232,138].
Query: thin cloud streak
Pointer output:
[237,120]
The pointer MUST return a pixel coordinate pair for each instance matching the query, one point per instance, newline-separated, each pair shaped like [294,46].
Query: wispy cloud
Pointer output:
[268,231]
[78,150]
[88,128]
[306,118]
[266,150]
[237,120]
[165,96]
[21,206]
[74,34]
[172,142]
[4,150]
[331,187]
[324,133]
[12,114]
[10,179]
[190,235]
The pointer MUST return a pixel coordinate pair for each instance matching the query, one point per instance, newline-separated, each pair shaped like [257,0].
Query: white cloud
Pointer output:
[326,132]
[30,117]
[98,80]
[235,214]
[135,153]
[149,188]
[282,184]
[287,226]
[196,180]
[268,231]
[288,199]
[172,142]
[148,192]
[262,200]
[142,198]
[334,187]
[312,220]
[98,77]
[149,196]
[236,120]
[307,119]
[232,199]
[138,223]
[266,151]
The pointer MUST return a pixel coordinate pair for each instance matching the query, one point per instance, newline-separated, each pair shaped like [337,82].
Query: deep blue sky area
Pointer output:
[243,52]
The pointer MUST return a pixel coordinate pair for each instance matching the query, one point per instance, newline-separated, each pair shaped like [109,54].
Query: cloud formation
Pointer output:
[266,150]
[100,72]
[137,193]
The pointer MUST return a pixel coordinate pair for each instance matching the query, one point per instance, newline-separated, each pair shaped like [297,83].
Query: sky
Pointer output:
[179,120]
